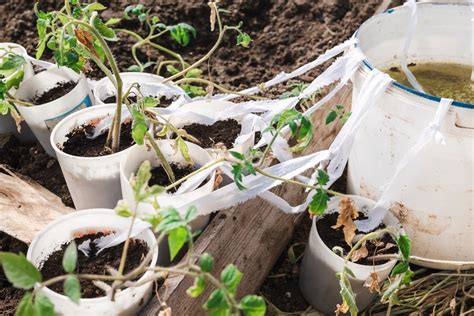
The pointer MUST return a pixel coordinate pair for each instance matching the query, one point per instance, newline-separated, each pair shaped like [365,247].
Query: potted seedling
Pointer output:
[14,68]
[122,287]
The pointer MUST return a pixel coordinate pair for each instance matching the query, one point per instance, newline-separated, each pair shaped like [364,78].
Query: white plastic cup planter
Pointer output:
[138,154]
[7,124]
[92,181]
[42,118]
[318,282]
[128,301]
[436,189]
[104,87]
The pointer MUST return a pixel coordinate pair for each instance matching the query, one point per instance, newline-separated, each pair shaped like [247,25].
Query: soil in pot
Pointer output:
[225,132]
[164,102]
[93,264]
[335,237]
[59,90]
[78,143]
[159,176]
[9,296]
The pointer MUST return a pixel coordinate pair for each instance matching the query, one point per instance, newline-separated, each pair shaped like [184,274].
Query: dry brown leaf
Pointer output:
[373,283]
[452,306]
[166,312]
[341,309]
[347,212]
[213,17]
[86,39]
[360,253]
[218,179]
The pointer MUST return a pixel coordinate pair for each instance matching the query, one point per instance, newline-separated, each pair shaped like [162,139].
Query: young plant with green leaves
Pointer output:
[338,112]
[295,89]
[76,34]
[164,222]
[11,75]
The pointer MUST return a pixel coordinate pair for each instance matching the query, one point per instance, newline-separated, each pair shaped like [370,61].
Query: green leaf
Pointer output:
[172,69]
[183,148]
[122,209]
[319,202]
[72,288]
[194,73]
[194,91]
[19,271]
[391,290]
[141,179]
[191,214]
[404,244]
[182,33]
[400,268]
[12,62]
[149,102]
[217,304]
[134,68]
[112,21]
[95,7]
[323,177]
[198,288]
[348,295]
[253,305]
[206,262]
[176,239]
[237,155]
[331,117]
[25,307]
[139,126]
[43,306]
[70,257]
[243,39]
[231,277]
[237,172]
[104,30]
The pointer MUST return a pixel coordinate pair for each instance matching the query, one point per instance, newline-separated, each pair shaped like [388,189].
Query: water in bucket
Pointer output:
[447,80]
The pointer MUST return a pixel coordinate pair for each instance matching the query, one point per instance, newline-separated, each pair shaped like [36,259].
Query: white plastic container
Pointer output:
[318,282]
[42,118]
[138,154]
[92,181]
[436,189]
[128,301]
[104,87]
[206,109]
[7,124]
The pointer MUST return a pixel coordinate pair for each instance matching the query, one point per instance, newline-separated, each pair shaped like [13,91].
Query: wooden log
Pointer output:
[251,235]
[25,206]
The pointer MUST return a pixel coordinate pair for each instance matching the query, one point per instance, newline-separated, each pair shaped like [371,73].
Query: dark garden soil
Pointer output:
[77,143]
[335,237]
[163,101]
[93,264]
[286,35]
[59,90]
[209,136]
[159,176]
[9,296]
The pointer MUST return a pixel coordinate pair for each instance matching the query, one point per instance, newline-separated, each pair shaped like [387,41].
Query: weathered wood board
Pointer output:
[251,235]
[26,207]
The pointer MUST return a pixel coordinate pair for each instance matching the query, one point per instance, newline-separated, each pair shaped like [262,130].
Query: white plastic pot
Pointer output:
[436,189]
[318,282]
[138,154]
[201,113]
[128,301]
[7,124]
[104,87]
[92,181]
[42,118]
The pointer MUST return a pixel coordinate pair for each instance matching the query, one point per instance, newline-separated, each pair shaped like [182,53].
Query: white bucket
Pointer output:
[7,124]
[318,282]
[128,301]
[104,87]
[42,118]
[436,189]
[92,181]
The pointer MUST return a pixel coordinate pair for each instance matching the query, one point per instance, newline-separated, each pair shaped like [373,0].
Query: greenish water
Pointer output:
[445,80]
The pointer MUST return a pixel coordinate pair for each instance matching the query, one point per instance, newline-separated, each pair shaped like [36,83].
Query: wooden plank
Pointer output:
[25,206]
[251,235]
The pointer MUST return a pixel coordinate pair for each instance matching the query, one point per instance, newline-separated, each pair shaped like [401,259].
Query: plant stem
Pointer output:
[164,163]
[290,181]
[205,167]
[123,258]
[269,146]
[219,87]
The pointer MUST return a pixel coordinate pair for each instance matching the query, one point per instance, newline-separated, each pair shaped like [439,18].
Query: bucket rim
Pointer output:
[427,96]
